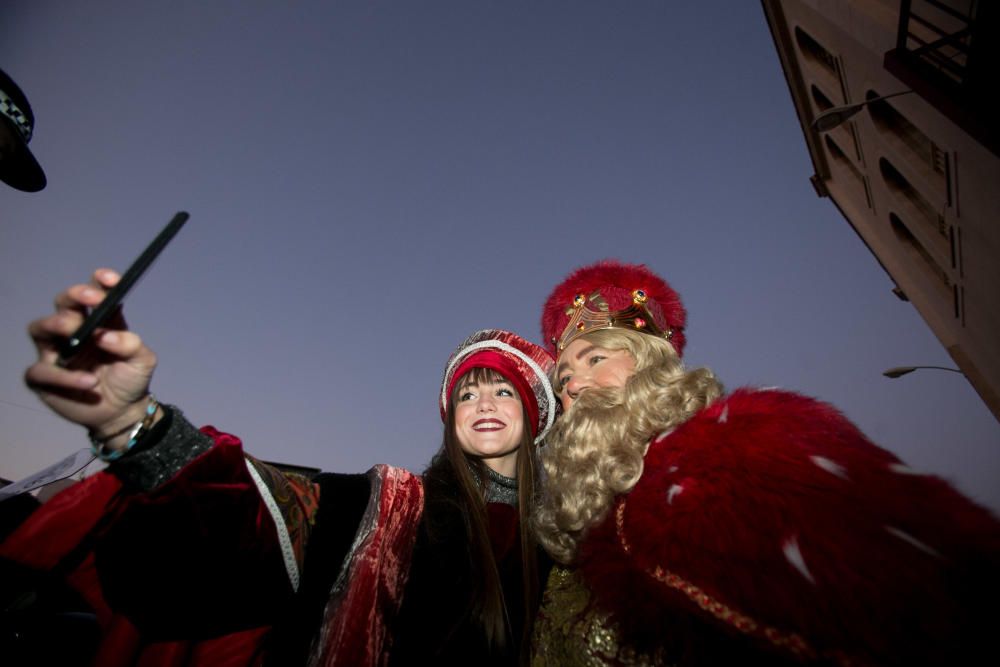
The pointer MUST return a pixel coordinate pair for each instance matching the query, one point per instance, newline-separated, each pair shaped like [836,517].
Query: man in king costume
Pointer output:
[696,527]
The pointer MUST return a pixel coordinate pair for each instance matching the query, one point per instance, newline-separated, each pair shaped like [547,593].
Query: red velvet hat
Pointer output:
[524,364]
[610,294]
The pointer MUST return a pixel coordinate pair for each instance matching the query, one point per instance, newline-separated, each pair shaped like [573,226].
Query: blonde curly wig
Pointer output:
[595,450]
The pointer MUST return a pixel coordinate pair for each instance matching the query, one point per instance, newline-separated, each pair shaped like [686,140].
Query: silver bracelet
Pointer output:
[135,434]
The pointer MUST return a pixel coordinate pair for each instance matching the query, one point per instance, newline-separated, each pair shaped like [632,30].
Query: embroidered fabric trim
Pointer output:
[287,551]
[571,629]
[786,640]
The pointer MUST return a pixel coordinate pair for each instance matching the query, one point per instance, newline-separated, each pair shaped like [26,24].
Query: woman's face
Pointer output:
[583,365]
[489,423]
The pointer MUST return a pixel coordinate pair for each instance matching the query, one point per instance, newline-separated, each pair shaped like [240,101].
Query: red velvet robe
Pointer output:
[213,556]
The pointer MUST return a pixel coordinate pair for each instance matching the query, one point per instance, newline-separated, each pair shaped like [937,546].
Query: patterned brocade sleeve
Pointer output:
[221,541]
[291,499]
[185,544]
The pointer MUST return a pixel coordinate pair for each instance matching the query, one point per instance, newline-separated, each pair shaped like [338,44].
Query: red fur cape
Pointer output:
[768,522]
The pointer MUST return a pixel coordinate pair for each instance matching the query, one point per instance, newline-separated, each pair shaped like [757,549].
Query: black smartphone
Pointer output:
[98,315]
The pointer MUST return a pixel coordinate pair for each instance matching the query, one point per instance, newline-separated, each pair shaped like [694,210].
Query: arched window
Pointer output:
[814,52]
[840,158]
[907,139]
[917,250]
[820,63]
[930,219]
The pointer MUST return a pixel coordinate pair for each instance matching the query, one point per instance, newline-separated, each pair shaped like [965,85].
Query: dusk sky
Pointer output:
[370,182]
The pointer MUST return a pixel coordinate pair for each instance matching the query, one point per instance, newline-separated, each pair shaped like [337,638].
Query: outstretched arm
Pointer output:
[171,535]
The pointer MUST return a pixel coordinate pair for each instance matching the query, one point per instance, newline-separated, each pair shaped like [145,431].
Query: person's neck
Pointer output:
[499,488]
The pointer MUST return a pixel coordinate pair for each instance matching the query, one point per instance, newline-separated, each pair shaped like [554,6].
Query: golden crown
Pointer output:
[583,319]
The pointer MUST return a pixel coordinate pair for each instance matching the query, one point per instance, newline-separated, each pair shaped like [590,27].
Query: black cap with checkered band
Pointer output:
[18,167]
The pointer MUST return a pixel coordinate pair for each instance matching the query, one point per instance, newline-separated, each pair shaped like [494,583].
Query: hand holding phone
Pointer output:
[72,345]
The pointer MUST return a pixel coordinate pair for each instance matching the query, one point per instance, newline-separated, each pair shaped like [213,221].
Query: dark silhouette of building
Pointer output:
[915,169]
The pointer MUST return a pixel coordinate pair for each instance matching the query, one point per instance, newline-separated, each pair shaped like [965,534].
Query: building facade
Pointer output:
[916,169]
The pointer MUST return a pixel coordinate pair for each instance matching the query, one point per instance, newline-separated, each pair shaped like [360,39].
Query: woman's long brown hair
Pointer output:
[488,605]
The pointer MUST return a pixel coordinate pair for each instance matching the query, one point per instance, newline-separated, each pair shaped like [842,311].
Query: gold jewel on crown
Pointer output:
[584,320]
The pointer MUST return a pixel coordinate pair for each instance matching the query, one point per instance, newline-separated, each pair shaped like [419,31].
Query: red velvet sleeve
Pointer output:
[200,556]
[771,517]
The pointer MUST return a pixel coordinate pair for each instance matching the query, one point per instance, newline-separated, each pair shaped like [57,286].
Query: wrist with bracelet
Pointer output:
[99,444]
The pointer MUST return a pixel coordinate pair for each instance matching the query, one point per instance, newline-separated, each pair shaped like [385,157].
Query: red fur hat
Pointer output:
[609,294]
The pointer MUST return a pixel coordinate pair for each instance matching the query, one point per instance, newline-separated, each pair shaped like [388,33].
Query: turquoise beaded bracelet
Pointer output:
[135,434]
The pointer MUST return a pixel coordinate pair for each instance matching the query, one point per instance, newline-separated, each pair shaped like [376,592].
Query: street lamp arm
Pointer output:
[836,116]
[898,371]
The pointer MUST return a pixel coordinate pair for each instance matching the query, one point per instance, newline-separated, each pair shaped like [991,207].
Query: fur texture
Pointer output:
[615,281]
[775,506]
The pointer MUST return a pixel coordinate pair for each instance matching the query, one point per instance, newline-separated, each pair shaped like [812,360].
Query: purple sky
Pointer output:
[369,182]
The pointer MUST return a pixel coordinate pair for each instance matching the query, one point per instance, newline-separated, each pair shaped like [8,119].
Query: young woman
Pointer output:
[192,552]
[697,527]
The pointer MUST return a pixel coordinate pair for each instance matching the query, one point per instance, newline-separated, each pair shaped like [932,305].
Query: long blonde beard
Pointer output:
[595,451]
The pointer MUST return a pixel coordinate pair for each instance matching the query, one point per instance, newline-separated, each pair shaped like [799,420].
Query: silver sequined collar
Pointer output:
[502,489]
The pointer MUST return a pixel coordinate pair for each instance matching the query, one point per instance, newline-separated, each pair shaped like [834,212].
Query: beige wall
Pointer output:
[921,192]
